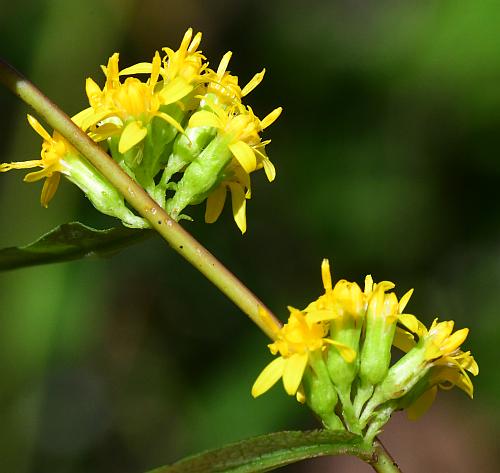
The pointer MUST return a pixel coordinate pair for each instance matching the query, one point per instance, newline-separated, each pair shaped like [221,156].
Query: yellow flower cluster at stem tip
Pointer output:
[348,334]
[177,127]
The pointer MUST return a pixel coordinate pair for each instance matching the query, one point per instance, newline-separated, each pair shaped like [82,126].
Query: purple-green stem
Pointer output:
[178,238]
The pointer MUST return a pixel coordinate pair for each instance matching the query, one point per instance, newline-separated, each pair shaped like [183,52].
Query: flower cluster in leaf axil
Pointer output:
[335,355]
[183,134]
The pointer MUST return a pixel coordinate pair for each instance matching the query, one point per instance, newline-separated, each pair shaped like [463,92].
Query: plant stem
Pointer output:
[382,462]
[180,240]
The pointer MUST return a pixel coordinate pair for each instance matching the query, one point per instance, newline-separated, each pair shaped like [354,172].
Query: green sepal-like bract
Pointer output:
[201,176]
[103,195]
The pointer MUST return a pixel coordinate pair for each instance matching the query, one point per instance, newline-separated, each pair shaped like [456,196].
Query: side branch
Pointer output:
[178,238]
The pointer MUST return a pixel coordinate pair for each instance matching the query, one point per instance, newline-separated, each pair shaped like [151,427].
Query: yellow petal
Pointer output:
[422,404]
[326,275]
[49,188]
[174,91]
[82,117]
[269,376]
[245,155]
[454,341]
[269,169]
[104,132]
[92,117]
[139,68]
[254,82]
[4,167]
[293,371]
[93,91]
[271,118]
[155,71]
[403,340]
[36,175]
[35,124]
[238,202]
[195,43]
[132,134]
[215,204]
[224,62]
[204,118]
[412,324]
[404,301]
[320,315]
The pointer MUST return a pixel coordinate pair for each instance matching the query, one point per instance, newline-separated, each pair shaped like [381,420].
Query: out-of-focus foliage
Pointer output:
[387,163]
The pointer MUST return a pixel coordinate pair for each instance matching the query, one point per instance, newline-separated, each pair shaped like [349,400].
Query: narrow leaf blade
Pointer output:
[70,241]
[267,452]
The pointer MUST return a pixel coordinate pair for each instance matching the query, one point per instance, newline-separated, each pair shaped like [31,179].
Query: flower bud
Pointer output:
[381,319]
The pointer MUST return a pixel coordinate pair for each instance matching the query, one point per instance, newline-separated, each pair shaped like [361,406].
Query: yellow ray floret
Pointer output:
[298,338]
[54,149]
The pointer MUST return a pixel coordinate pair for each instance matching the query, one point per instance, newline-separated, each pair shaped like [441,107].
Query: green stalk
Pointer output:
[180,240]
[381,461]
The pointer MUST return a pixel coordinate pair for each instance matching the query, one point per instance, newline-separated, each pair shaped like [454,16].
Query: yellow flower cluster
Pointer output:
[348,333]
[182,114]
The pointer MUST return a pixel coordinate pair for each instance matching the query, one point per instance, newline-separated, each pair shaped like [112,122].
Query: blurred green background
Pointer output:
[387,160]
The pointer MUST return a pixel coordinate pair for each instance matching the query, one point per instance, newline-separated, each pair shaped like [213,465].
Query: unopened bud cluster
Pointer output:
[335,355]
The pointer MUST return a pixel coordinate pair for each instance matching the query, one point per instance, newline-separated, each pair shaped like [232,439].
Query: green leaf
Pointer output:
[68,242]
[267,452]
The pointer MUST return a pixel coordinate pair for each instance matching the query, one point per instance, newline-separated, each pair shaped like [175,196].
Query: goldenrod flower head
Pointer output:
[225,86]
[296,340]
[54,150]
[242,128]
[124,108]
[445,375]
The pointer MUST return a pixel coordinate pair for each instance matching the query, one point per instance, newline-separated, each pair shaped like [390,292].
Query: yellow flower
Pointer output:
[126,108]
[295,342]
[448,363]
[225,85]
[54,150]
[242,128]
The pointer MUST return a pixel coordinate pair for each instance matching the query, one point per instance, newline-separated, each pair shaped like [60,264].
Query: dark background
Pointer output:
[387,160]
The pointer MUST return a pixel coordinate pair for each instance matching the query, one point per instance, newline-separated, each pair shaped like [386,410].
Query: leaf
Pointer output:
[68,242]
[267,452]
